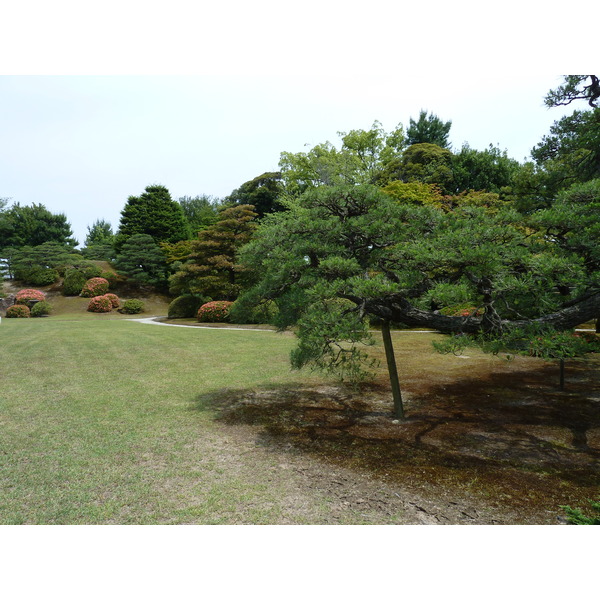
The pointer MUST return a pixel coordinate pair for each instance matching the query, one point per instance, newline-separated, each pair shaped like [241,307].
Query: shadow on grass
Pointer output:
[514,437]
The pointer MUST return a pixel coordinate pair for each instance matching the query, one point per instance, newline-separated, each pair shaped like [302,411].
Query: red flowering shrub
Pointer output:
[462,310]
[25,296]
[100,304]
[18,311]
[214,312]
[96,286]
[114,299]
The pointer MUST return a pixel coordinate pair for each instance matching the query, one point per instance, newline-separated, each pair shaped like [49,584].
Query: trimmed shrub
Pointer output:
[42,276]
[41,309]
[132,307]
[100,304]
[73,282]
[28,295]
[114,300]
[18,311]
[184,307]
[96,286]
[112,278]
[214,312]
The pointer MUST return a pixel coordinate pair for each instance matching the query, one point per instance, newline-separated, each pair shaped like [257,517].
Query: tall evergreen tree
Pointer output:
[429,129]
[152,213]
[212,269]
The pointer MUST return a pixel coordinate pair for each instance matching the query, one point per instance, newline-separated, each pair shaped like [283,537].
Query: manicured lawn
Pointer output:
[101,422]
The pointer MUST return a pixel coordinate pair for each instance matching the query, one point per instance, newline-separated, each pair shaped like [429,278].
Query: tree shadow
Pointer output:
[516,435]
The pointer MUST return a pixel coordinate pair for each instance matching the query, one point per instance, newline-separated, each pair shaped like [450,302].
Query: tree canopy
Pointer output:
[152,213]
[429,129]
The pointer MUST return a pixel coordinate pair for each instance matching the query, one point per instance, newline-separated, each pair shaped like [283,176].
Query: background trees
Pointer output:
[142,261]
[429,129]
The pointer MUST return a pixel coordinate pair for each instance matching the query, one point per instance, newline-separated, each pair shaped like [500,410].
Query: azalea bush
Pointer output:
[28,295]
[132,307]
[114,300]
[214,312]
[41,309]
[96,286]
[100,304]
[18,311]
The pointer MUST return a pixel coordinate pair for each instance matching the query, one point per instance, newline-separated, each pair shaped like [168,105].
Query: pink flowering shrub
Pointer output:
[462,310]
[18,311]
[100,304]
[214,312]
[96,286]
[114,299]
[25,296]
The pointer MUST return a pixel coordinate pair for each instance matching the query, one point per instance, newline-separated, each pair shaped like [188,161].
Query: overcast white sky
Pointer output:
[98,104]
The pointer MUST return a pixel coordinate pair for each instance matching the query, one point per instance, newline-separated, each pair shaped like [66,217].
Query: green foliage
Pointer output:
[415,192]
[429,129]
[184,307]
[200,212]
[18,311]
[33,226]
[75,278]
[212,269]
[132,307]
[99,233]
[142,261]
[214,312]
[573,88]
[41,277]
[100,304]
[29,263]
[262,192]
[96,286]
[577,517]
[153,213]
[427,163]
[41,309]
[362,158]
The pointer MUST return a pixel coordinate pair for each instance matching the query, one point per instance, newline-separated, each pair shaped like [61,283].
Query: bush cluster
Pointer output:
[28,295]
[73,282]
[96,286]
[214,312]
[132,307]
[42,276]
[18,311]
[100,304]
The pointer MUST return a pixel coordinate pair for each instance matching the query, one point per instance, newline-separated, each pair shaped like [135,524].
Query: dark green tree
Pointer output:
[262,192]
[99,242]
[342,255]
[212,269]
[152,213]
[142,261]
[32,226]
[429,129]
[574,88]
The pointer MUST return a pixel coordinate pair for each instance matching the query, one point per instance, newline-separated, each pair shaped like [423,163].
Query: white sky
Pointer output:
[98,104]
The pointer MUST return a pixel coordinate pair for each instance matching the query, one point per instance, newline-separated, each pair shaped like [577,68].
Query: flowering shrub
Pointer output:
[462,310]
[132,307]
[18,311]
[564,344]
[214,312]
[25,296]
[100,304]
[96,286]
[41,309]
[114,299]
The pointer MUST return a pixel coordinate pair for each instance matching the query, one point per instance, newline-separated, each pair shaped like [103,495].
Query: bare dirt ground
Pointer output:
[484,442]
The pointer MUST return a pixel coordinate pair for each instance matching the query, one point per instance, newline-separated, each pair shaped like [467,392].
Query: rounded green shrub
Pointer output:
[42,276]
[184,307]
[96,286]
[41,309]
[100,304]
[73,282]
[214,312]
[28,295]
[132,307]
[112,278]
[114,300]
[18,311]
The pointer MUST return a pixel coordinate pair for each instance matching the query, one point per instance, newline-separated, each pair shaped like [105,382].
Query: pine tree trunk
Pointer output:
[392,370]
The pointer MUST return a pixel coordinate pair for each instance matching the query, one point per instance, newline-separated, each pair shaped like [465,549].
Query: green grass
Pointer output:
[101,423]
